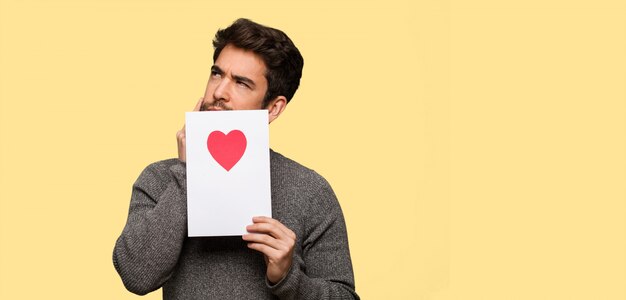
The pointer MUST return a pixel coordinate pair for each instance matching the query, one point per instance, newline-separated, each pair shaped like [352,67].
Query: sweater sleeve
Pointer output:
[147,251]
[324,269]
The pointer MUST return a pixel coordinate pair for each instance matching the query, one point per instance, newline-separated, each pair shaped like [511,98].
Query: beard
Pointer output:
[215,104]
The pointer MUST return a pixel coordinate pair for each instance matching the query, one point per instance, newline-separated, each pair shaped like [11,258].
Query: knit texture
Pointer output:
[154,251]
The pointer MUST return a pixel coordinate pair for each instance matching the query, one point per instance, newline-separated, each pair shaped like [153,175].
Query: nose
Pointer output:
[221,92]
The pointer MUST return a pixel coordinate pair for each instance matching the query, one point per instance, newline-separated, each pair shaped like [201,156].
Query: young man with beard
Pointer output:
[300,253]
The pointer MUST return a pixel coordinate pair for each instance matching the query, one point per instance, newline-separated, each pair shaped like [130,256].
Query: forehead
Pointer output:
[240,62]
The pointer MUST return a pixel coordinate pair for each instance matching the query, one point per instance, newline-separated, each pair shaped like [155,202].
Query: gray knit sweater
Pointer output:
[154,251]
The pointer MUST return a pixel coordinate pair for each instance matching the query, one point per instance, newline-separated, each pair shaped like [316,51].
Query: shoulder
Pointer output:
[303,198]
[164,166]
[300,186]
[160,173]
[289,173]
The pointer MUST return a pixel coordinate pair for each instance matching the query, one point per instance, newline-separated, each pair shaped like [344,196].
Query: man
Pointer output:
[301,253]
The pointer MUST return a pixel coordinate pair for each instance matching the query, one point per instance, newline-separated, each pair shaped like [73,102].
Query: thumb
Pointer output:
[198,105]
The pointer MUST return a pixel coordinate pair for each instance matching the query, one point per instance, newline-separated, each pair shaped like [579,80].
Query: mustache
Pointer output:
[215,104]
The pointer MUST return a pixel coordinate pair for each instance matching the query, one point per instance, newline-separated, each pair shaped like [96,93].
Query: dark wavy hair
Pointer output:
[282,59]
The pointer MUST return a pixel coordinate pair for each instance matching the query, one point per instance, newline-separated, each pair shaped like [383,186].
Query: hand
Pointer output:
[180,135]
[276,242]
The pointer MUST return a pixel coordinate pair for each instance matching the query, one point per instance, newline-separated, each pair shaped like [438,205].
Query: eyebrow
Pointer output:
[243,79]
[216,69]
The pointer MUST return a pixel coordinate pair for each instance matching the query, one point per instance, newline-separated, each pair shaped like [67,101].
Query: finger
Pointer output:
[268,251]
[180,137]
[198,105]
[268,228]
[281,226]
[265,240]
[272,236]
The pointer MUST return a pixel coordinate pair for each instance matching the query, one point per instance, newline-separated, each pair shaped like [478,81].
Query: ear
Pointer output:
[276,107]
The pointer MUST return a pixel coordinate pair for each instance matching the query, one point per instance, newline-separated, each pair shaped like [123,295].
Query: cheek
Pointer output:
[247,102]
[210,90]
[209,87]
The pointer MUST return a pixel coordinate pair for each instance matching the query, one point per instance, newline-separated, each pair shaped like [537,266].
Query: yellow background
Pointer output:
[478,148]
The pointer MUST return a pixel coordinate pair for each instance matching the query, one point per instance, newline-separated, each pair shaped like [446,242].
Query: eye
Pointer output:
[243,84]
[215,74]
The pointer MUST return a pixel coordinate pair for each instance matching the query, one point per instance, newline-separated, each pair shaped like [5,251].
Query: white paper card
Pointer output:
[228,171]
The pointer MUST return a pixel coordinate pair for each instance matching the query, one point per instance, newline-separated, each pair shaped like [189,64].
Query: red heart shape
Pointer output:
[227,149]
